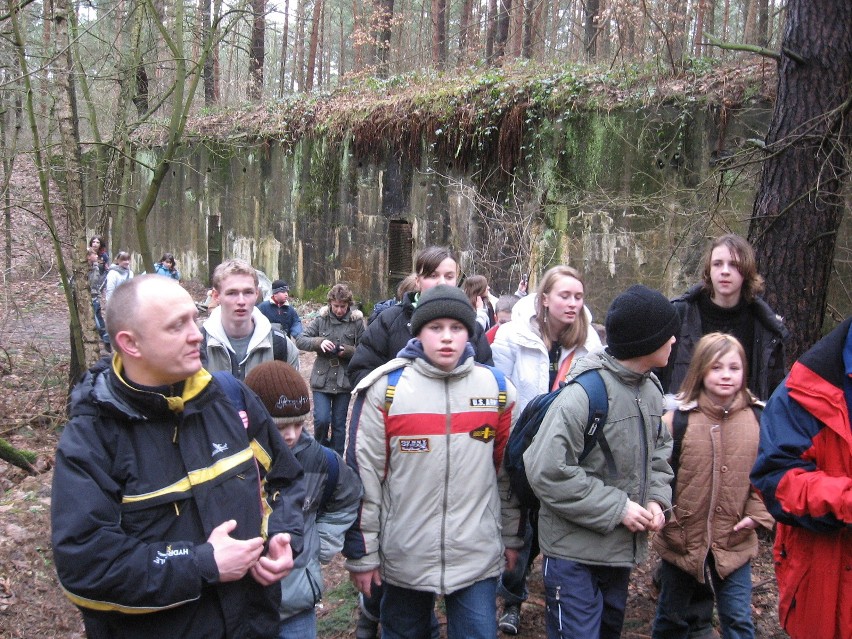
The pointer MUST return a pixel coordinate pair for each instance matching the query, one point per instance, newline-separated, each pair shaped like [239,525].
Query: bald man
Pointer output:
[173,514]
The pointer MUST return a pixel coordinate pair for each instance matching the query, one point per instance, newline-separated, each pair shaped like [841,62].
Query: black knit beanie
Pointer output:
[282,390]
[638,322]
[443,301]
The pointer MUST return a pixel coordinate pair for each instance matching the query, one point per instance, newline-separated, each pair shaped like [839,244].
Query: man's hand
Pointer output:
[234,557]
[364,581]
[277,563]
[327,346]
[658,518]
[637,518]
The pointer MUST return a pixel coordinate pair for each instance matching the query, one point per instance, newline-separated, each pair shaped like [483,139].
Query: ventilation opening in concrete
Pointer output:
[400,246]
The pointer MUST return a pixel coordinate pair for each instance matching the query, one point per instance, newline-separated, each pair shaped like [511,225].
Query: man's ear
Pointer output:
[126,343]
[214,294]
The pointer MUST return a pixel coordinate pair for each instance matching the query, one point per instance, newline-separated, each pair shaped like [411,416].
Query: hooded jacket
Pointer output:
[115,276]
[432,516]
[804,473]
[766,361]
[713,491]
[582,505]
[325,525]
[329,372]
[389,333]
[218,355]
[141,480]
[520,353]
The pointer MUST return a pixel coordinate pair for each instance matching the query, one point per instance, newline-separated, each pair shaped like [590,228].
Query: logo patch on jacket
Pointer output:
[484,402]
[419,445]
[484,433]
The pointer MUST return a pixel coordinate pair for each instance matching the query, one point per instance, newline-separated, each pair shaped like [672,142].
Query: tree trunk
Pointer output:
[85,343]
[439,34]
[257,53]
[799,203]
[591,29]
[504,11]
[490,31]
[464,28]
[383,36]
[763,23]
[516,31]
[312,47]
[282,77]
[206,23]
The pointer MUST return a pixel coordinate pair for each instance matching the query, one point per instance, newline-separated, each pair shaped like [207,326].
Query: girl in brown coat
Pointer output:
[710,539]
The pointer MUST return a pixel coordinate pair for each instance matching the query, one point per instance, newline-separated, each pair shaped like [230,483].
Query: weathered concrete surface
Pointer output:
[627,196]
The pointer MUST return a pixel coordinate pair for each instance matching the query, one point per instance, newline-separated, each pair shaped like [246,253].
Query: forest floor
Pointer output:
[34,355]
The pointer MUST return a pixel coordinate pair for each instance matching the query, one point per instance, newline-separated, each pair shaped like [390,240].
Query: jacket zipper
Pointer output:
[448,431]
[643,489]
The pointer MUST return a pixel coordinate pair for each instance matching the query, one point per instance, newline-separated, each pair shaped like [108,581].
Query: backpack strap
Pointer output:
[499,377]
[331,478]
[680,420]
[279,346]
[593,384]
[393,380]
[232,389]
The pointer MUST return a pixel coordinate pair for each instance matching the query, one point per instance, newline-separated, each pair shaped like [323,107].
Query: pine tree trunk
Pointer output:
[799,203]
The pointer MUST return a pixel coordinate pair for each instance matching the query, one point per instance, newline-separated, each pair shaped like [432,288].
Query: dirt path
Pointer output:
[33,369]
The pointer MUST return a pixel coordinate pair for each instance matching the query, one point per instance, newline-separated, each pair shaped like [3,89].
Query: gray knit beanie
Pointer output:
[638,322]
[443,301]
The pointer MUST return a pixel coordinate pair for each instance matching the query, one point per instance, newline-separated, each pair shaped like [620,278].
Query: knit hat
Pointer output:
[443,301]
[638,322]
[279,286]
[281,389]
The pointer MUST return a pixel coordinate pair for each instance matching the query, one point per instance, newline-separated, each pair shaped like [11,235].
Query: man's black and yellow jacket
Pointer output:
[142,477]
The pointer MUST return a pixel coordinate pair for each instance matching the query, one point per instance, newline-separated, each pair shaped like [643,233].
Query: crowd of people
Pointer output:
[189,501]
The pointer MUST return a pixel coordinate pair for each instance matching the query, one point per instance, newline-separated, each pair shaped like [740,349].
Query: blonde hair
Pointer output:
[710,348]
[232,267]
[574,334]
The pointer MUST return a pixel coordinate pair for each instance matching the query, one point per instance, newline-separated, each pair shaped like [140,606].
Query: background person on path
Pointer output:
[503,315]
[709,541]
[384,338]
[389,332]
[118,274]
[329,508]
[728,301]
[804,473]
[96,282]
[595,515]
[167,267]
[278,310]
[164,522]
[333,336]
[432,515]
[237,336]
[549,330]
[97,242]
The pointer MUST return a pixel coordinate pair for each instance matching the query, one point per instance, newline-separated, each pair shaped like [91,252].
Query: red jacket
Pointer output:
[804,472]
